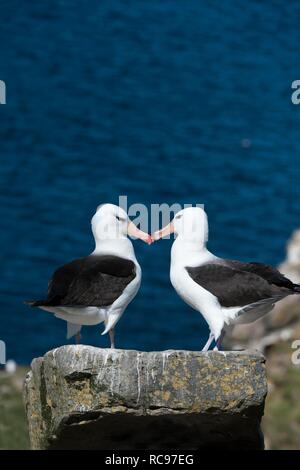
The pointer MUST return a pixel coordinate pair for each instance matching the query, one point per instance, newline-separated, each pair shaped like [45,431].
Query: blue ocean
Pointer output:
[161,101]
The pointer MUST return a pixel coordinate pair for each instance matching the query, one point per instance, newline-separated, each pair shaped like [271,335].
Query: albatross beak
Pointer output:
[133,231]
[164,232]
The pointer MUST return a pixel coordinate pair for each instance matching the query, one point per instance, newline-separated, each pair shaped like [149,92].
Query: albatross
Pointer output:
[98,287]
[224,291]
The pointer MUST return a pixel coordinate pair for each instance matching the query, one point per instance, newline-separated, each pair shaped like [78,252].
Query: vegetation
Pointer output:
[13,429]
[281,423]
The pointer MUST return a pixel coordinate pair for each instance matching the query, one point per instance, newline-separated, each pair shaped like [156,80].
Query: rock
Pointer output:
[291,266]
[81,397]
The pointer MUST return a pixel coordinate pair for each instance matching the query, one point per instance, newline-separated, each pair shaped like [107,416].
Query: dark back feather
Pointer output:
[236,287]
[97,280]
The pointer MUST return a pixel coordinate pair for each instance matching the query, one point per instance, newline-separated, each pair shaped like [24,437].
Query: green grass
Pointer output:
[13,428]
[281,423]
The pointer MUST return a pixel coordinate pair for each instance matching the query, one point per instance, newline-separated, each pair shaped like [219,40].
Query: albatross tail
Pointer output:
[72,329]
[111,320]
[38,303]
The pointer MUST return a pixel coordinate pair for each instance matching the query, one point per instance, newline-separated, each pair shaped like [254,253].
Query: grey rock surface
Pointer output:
[81,397]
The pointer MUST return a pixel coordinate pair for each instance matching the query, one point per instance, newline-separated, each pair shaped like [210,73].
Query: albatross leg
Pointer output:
[112,338]
[219,341]
[78,337]
[208,343]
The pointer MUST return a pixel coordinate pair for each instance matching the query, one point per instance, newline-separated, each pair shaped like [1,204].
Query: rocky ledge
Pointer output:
[81,397]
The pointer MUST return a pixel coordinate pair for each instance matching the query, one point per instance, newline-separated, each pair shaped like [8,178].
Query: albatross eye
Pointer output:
[178,216]
[120,218]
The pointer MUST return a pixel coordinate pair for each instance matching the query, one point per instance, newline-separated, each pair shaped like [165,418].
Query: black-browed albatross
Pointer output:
[98,287]
[225,292]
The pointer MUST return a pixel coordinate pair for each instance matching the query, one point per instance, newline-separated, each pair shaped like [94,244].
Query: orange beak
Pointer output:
[164,232]
[133,231]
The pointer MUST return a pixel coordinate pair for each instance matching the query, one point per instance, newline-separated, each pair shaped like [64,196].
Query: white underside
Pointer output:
[78,316]
[246,314]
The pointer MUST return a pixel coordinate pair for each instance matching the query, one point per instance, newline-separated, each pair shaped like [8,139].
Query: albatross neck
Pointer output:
[189,252]
[121,247]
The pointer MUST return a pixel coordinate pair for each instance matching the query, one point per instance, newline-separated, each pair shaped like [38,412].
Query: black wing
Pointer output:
[270,274]
[234,287]
[91,281]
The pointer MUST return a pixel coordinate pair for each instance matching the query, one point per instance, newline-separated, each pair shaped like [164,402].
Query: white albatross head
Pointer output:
[110,222]
[189,224]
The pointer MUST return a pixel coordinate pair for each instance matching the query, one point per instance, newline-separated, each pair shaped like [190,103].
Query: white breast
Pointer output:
[188,255]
